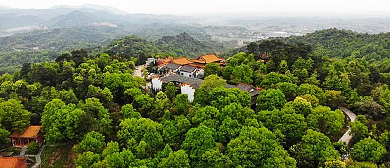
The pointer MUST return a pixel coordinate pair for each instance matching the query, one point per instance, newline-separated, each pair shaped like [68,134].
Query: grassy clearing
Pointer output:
[58,157]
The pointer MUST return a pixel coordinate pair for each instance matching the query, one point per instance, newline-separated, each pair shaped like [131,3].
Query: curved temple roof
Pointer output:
[29,132]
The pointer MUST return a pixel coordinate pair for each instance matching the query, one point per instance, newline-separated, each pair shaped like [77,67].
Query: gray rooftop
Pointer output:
[187,68]
[172,66]
[195,82]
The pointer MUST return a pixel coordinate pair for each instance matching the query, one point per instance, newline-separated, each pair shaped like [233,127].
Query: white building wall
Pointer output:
[200,73]
[149,61]
[187,74]
[187,89]
[156,84]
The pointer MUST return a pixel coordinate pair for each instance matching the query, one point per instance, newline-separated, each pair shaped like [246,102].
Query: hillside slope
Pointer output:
[345,43]
[184,44]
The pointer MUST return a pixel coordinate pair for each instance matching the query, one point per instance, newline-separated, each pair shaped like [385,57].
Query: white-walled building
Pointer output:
[188,85]
[187,71]
[188,90]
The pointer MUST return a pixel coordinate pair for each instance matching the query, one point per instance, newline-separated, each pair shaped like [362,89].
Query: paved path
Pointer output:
[37,157]
[347,137]
[138,71]
[23,151]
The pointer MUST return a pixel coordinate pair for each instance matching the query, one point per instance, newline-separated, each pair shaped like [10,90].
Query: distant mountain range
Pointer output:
[88,15]
[93,6]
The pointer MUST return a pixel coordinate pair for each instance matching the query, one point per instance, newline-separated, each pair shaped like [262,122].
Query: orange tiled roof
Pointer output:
[181,61]
[196,65]
[13,162]
[163,62]
[29,132]
[199,61]
[210,58]
[167,60]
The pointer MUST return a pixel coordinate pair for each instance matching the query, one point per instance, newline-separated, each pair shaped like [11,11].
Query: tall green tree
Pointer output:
[13,116]
[242,74]
[4,138]
[178,159]
[62,122]
[212,69]
[198,140]
[93,141]
[359,131]
[97,115]
[141,130]
[181,104]
[291,124]
[270,99]
[326,121]
[258,147]
[212,81]
[368,150]
[314,149]
[87,159]
[171,90]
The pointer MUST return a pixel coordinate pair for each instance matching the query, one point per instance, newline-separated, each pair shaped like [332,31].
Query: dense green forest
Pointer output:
[346,43]
[40,46]
[91,101]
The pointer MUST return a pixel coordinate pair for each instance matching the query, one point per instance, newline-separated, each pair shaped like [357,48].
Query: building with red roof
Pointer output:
[180,61]
[13,162]
[203,60]
[30,134]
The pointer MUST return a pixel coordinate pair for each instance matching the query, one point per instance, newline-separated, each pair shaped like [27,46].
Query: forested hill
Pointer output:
[59,39]
[184,44]
[346,43]
[180,45]
[38,46]
[91,101]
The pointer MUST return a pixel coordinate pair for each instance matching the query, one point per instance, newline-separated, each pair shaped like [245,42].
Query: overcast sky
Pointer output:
[217,6]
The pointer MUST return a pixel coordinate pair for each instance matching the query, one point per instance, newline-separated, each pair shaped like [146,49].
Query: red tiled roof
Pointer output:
[29,132]
[13,162]
[199,61]
[196,65]
[181,61]
[162,62]
[210,58]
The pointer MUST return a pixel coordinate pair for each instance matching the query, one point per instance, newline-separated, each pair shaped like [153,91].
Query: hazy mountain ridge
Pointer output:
[93,6]
[9,21]
[24,20]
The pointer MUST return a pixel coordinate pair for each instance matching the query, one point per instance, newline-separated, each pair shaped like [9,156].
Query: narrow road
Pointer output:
[37,157]
[23,151]
[138,71]
[347,137]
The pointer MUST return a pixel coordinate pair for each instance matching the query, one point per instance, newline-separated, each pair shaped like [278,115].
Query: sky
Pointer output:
[217,6]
